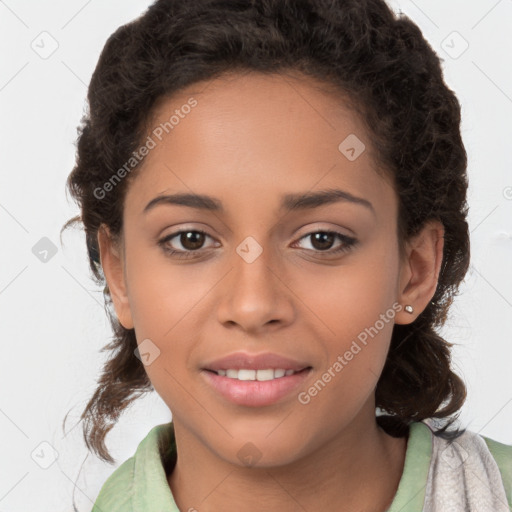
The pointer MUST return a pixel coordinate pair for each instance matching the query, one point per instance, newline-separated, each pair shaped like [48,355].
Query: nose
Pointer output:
[255,295]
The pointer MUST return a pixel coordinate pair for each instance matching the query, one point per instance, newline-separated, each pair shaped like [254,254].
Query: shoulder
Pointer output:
[117,490]
[128,483]
[479,468]
[486,449]
[502,454]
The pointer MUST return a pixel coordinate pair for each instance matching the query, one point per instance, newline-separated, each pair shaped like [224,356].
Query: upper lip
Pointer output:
[264,361]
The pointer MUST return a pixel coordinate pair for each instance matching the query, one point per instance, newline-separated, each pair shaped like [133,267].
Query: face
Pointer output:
[254,270]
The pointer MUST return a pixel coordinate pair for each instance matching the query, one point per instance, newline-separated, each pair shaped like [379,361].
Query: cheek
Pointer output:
[160,301]
[352,296]
[166,318]
[353,306]
[355,355]
[162,293]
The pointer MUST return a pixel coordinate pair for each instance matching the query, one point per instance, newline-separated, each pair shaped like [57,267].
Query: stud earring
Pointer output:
[409,309]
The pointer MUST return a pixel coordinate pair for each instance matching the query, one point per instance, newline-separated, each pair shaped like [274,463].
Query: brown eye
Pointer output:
[323,241]
[191,241]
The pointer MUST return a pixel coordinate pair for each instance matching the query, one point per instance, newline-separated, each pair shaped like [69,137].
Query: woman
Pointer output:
[274,197]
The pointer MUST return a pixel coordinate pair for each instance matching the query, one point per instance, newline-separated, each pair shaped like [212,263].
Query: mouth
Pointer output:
[250,374]
[248,387]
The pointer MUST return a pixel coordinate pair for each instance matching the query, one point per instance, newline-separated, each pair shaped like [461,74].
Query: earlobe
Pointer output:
[111,259]
[420,271]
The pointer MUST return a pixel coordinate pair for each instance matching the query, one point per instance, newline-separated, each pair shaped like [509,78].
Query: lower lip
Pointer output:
[254,393]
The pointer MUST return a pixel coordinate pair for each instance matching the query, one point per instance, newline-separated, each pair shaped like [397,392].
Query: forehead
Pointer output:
[249,135]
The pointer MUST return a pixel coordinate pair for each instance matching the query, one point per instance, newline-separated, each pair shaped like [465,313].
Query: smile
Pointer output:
[255,388]
[260,375]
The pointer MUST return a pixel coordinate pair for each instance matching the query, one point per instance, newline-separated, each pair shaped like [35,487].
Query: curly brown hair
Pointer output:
[361,48]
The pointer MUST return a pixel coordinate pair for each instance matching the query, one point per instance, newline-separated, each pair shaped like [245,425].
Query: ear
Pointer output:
[112,262]
[420,269]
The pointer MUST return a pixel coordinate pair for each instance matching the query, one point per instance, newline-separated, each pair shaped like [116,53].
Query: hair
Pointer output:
[377,59]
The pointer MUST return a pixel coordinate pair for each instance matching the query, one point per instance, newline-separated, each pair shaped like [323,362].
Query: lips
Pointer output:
[264,361]
[254,393]
[255,380]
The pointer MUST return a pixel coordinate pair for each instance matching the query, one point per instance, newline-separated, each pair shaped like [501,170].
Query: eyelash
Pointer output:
[348,243]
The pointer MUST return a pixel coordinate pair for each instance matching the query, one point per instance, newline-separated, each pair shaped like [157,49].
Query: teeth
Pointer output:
[260,375]
[246,374]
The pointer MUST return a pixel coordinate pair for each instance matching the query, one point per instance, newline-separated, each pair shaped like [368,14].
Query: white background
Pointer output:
[52,319]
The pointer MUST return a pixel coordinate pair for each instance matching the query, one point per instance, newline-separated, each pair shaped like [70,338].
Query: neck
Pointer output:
[358,469]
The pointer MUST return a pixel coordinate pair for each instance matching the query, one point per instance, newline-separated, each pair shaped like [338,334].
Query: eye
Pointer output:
[191,240]
[322,241]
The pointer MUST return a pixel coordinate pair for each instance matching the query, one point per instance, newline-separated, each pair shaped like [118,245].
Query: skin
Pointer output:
[251,139]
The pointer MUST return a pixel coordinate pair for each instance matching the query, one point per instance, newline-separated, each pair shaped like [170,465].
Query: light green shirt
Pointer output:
[140,483]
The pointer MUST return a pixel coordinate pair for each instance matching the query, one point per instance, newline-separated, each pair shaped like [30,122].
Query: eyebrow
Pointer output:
[290,202]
